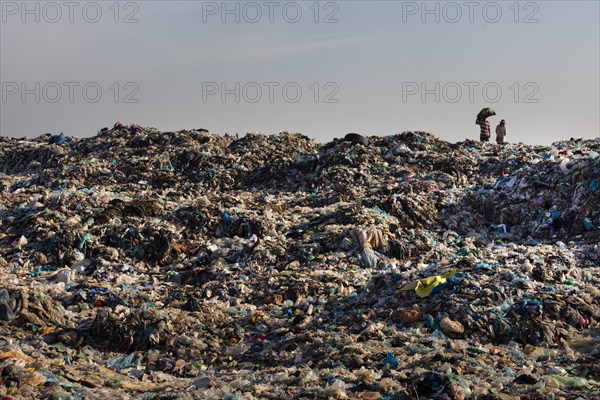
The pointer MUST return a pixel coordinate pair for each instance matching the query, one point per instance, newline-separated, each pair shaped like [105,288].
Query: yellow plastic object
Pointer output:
[423,287]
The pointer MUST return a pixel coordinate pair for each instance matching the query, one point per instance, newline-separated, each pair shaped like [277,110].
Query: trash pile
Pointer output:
[139,264]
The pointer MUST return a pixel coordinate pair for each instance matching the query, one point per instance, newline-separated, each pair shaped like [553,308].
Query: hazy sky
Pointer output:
[321,68]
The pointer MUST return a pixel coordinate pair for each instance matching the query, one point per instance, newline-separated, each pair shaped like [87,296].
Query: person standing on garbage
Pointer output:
[481,120]
[484,134]
[501,132]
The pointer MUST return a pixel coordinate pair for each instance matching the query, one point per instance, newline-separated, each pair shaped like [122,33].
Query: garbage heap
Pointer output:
[139,264]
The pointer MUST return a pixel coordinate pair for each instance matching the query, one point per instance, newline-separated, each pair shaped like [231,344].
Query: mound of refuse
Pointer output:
[140,264]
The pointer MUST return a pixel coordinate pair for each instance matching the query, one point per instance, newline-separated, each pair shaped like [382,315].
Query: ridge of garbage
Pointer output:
[151,265]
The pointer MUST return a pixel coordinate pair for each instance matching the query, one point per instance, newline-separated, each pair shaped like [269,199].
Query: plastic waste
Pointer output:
[59,139]
[425,286]
[575,382]
[138,263]
[391,361]
[6,311]
[123,362]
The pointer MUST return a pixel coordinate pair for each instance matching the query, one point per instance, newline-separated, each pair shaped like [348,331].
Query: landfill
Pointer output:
[140,264]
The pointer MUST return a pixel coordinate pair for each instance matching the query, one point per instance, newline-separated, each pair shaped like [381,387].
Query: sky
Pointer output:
[321,68]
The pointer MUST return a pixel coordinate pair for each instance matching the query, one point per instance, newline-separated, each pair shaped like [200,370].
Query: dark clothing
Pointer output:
[484,135]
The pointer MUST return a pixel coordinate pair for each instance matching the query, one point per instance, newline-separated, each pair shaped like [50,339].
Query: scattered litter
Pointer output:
[145,264]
